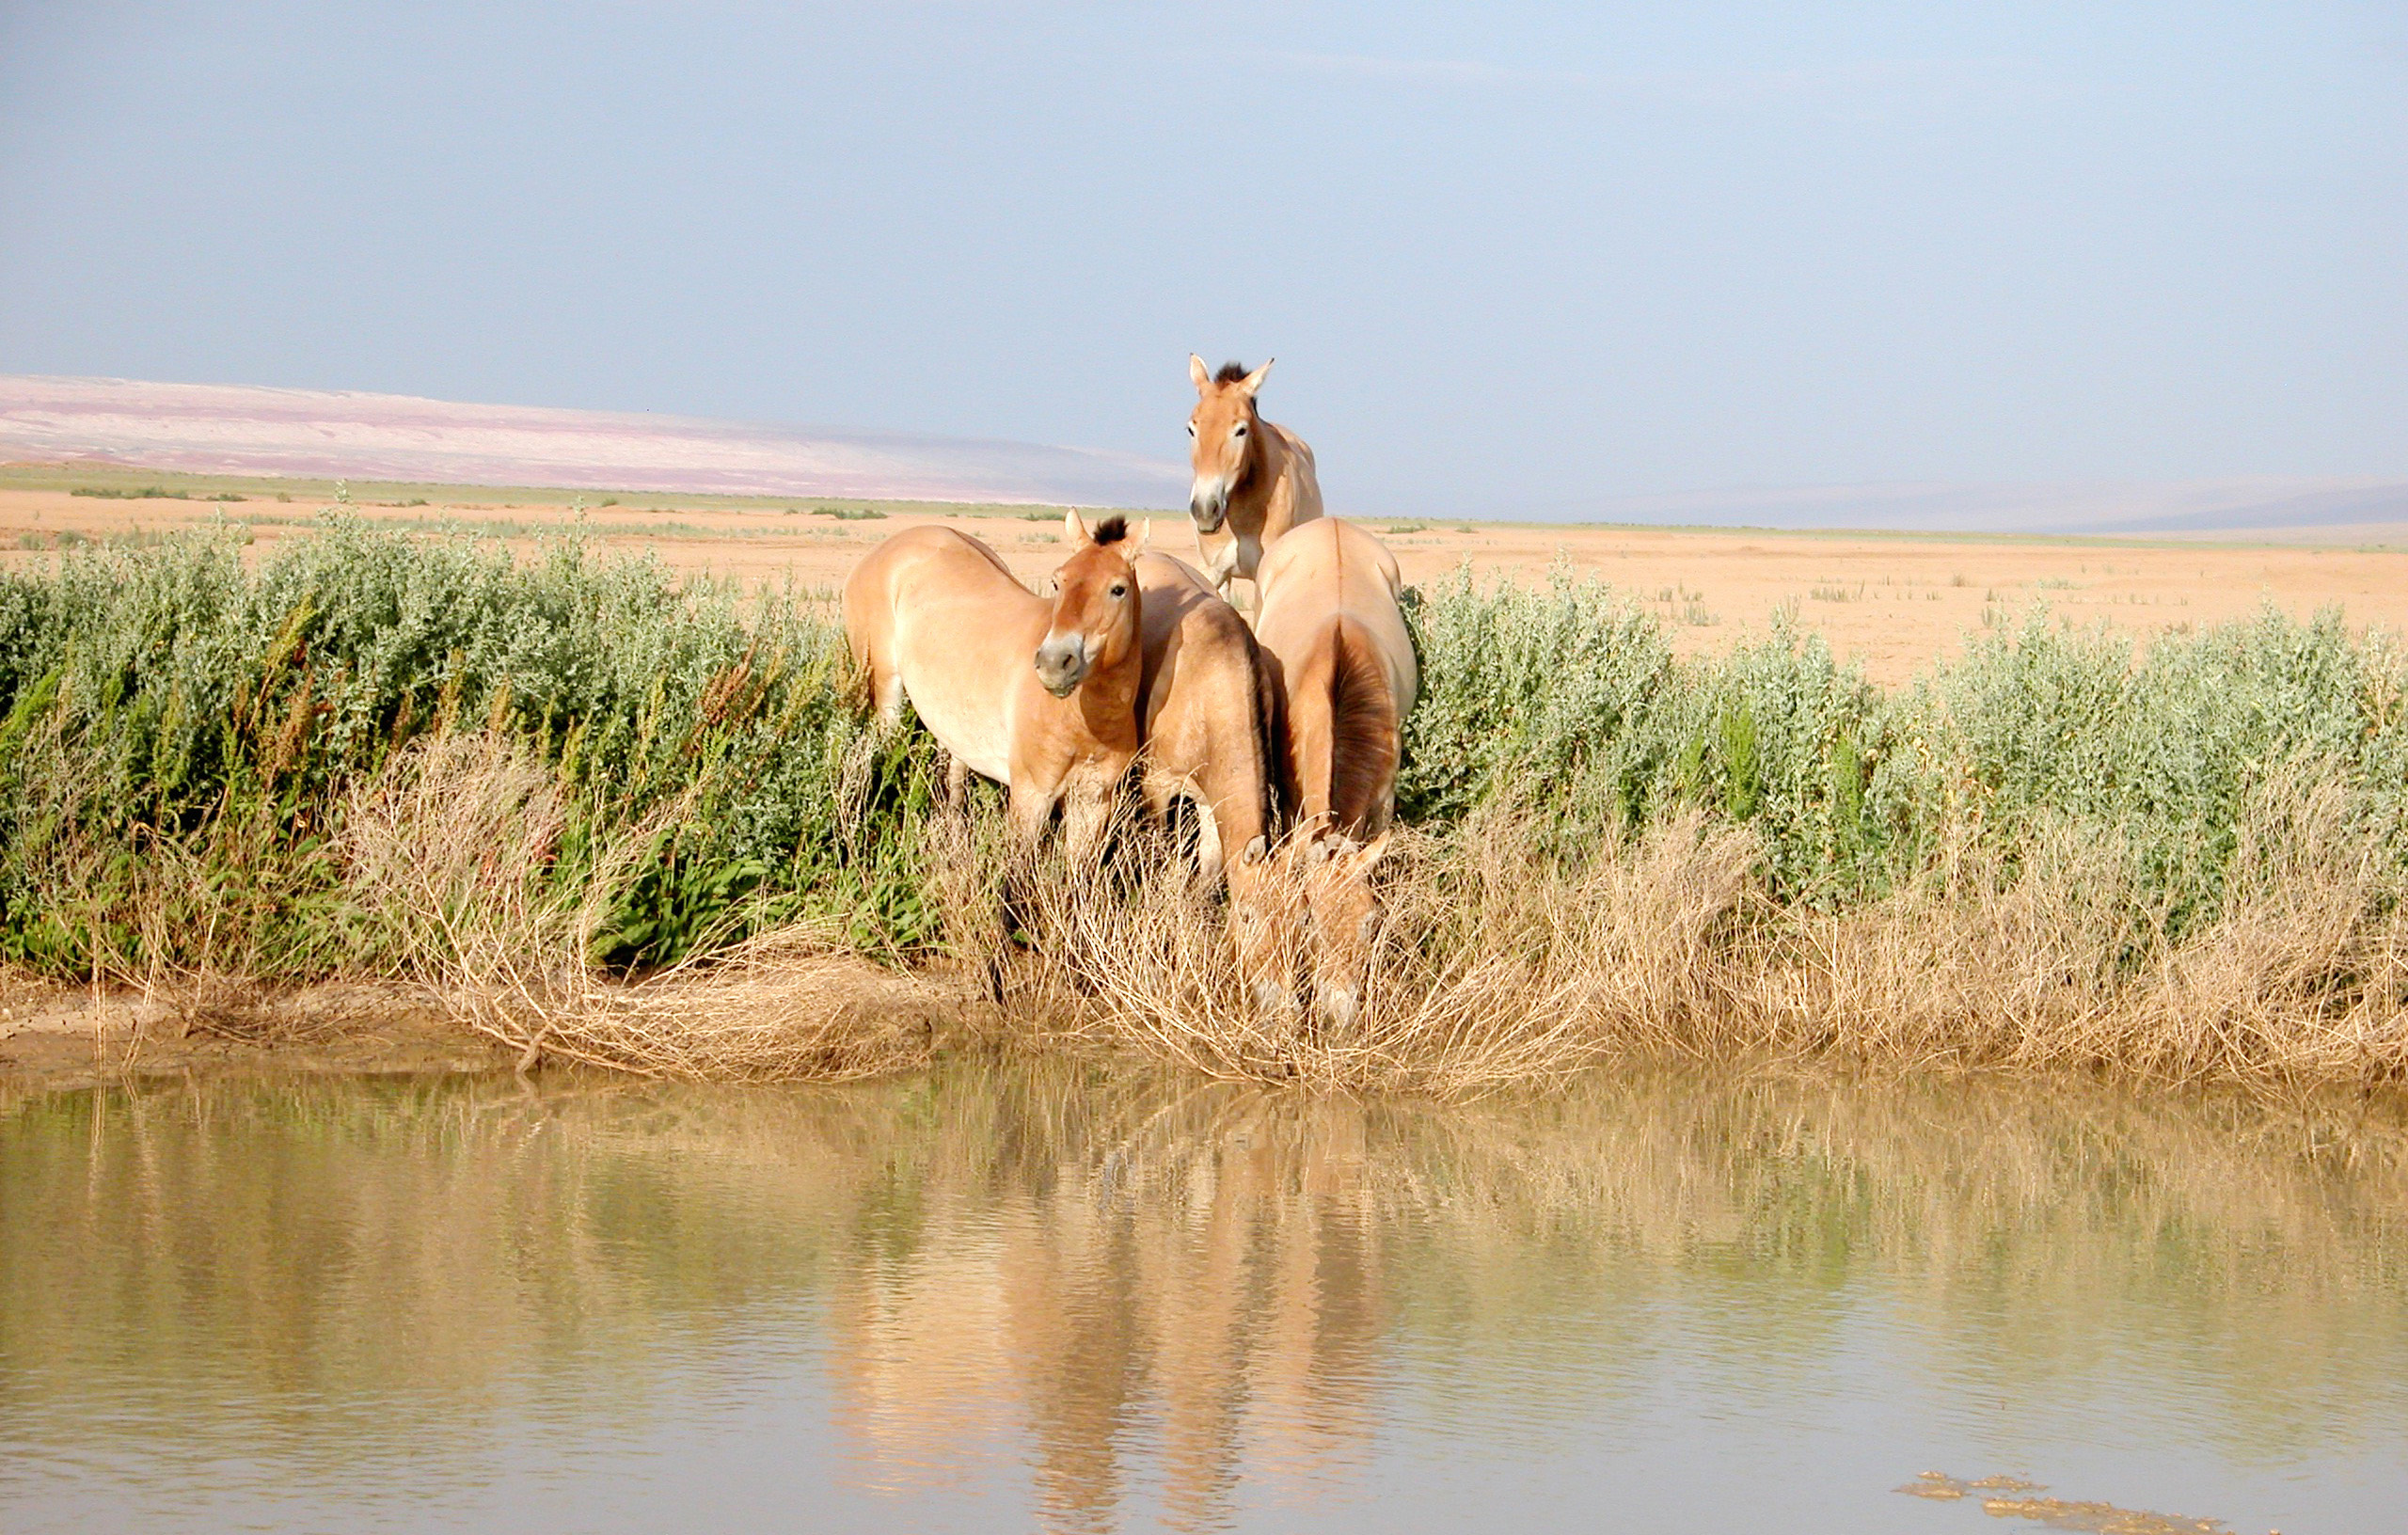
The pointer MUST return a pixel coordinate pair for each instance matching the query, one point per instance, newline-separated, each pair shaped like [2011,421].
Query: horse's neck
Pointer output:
[1266,463]
[1107,701]
[1237,775]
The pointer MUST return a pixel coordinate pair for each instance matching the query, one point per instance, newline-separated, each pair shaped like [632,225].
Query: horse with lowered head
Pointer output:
[1039,695]
[1254,480]
[1332,627]
[1206,712]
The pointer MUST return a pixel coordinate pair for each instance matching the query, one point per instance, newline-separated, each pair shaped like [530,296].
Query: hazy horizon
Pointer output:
[1526,263]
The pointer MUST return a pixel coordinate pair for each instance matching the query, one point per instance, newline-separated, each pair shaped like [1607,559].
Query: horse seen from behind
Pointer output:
[1332,628]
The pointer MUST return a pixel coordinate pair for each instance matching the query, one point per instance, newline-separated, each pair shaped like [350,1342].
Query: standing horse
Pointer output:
[1039,696]
[1332,628]
[1207,721]
[1254,480]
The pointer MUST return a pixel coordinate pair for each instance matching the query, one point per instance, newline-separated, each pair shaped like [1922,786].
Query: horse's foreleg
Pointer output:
[1030,808]
[956,780]
[1156,790]
[1085,817]
[1209,852]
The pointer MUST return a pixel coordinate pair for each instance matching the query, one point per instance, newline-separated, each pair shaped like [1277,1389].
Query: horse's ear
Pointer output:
[1198,372]
[1144,536]
[1372,853]
[1074,527]
[1253,381]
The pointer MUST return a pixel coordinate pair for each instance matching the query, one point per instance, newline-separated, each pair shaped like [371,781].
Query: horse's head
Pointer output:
[1221,432]
[1094,603]
[1266,918]
[1345,916]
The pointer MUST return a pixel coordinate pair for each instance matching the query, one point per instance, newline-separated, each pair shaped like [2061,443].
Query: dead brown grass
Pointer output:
[1496,963]
[1499,965]
[453,844]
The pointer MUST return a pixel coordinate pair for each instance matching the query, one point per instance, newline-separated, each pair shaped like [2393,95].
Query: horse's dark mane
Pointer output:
[1111,531]
[1232,372]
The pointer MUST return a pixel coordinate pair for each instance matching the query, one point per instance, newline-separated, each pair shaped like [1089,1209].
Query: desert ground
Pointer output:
[1891,602]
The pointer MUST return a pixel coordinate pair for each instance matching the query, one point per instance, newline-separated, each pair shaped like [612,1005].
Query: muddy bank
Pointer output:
[52,1037]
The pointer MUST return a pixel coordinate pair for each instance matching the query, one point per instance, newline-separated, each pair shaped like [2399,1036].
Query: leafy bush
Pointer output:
[1572,698]
[155,698]
[179,731]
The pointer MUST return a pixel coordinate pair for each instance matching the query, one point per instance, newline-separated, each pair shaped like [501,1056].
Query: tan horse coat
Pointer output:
[1207,729]
[1334,632]
[1332,622]
[1254,480]
[1039,696]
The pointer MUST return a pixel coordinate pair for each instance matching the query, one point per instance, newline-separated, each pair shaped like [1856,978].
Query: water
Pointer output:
[1048,1297]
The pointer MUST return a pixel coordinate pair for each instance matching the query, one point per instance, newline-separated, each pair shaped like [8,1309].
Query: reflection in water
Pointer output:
[1108,1301]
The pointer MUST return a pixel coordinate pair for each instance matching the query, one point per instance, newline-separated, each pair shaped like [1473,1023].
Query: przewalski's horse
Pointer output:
[1334,632]
[1254,480]
[1206,716]
[1038,695]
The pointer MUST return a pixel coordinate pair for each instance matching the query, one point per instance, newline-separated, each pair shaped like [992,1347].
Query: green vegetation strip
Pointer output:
[180,734]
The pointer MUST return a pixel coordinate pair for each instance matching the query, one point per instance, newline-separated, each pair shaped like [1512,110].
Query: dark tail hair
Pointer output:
[1362,728]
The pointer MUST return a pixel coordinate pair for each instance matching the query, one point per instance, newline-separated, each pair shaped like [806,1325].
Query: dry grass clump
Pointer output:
[1500,957]
[1499,962]
[2053,960]
[457,843]
[1487,968]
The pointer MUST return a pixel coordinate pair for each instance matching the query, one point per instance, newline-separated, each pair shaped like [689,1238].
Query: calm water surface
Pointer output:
[1046,1297]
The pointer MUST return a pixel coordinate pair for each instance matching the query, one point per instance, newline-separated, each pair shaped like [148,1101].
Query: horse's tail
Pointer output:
[1351,773]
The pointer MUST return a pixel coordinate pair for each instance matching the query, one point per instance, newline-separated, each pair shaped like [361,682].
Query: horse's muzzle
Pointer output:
[1062,665]
[1209,508]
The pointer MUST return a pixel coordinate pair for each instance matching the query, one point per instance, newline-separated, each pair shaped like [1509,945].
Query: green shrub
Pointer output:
[1573,695]
[155,697]
[179,731]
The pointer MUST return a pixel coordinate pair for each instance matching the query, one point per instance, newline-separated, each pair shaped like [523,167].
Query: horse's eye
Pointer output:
[1120,591]
[1239,432]
[1191,429]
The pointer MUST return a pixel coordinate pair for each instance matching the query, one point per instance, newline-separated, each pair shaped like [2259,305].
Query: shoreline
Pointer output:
[58,1039]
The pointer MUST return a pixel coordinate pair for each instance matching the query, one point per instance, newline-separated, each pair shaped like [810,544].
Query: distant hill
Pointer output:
[237,428]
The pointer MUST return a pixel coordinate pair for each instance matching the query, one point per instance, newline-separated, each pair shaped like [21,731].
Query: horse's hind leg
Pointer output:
[956,780]
[886,691]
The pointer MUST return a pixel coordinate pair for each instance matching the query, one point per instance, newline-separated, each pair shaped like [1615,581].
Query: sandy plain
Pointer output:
[1893,603]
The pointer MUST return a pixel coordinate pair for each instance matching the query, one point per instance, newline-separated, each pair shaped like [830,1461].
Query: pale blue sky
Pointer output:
[1511,257]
